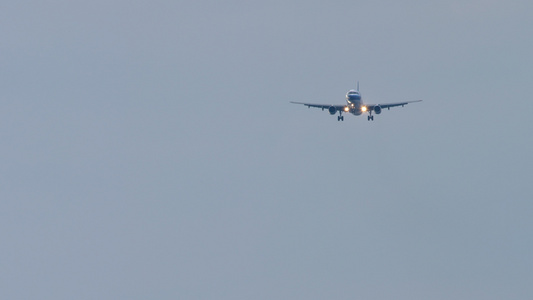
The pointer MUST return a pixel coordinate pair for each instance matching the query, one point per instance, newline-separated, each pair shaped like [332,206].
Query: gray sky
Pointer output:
[149,150]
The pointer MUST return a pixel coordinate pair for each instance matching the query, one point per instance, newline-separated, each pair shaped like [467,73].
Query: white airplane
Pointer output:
[354,104]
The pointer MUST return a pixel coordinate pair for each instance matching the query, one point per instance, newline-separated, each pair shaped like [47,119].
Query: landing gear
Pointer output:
[340,118]
[370,118]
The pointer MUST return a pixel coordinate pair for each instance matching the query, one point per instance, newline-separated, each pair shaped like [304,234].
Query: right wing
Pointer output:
[323,106]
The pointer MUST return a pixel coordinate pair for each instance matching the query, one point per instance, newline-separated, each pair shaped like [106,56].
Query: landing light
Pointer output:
[346,108]
[363,108]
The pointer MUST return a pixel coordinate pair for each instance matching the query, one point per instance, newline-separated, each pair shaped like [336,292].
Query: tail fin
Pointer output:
[358,86]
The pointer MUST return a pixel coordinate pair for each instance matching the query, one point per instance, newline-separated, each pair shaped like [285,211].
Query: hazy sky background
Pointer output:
[149,150]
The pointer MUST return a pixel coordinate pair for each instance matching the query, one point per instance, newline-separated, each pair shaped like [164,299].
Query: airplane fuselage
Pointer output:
[355,102]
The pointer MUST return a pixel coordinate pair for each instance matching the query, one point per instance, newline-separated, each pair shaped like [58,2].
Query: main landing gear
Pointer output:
[370,116]
[340,118]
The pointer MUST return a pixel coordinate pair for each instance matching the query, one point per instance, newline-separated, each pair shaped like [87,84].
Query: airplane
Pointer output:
[356,106]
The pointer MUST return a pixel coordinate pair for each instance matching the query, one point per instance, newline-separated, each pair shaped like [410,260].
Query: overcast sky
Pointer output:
[149,150]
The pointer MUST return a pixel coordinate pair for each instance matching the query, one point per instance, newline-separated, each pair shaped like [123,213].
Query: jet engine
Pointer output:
[377,109]
[332,110]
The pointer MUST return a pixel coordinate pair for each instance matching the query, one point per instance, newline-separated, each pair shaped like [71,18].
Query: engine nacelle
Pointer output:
[332,110]
[377,109]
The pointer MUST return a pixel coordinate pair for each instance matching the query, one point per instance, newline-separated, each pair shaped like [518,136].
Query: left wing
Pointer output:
[389,105]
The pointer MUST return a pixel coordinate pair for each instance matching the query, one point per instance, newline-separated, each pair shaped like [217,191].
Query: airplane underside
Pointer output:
[370,117]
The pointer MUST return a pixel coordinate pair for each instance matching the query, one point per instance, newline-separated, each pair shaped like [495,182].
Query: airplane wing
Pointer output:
[323,106]
[389,105]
